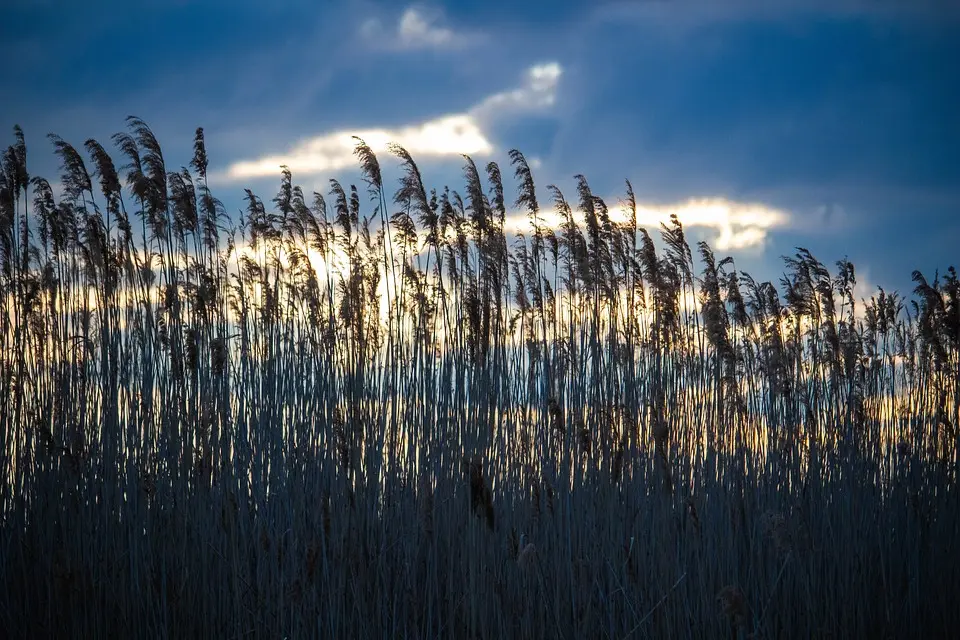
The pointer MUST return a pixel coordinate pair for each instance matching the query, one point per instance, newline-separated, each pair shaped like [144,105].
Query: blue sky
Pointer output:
[829,125]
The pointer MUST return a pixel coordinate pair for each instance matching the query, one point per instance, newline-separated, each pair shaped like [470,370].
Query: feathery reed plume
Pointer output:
[733,605]
[776,527]
[527,555]
[481,498]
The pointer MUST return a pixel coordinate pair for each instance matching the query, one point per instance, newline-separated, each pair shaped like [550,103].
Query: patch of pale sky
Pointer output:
[863,290]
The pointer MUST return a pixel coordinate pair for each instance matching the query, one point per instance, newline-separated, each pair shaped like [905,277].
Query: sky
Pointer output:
[765,126]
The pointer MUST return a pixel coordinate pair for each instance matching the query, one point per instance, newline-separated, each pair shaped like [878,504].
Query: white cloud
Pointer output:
[736,225]
[417,28]
[449,135]
[539,90]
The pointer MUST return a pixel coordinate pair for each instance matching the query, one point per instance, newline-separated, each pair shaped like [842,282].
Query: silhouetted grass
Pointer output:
[329,420]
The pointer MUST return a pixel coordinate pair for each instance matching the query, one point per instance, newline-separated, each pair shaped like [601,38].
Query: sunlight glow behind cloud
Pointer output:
[448,135]
[737,225]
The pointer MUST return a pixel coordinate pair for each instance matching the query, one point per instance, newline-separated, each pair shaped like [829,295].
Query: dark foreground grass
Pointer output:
[328,422]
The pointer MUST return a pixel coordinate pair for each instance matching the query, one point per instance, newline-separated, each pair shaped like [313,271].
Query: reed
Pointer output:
[350,416]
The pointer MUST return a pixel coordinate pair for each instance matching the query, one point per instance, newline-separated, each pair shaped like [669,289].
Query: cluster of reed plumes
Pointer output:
[326,420]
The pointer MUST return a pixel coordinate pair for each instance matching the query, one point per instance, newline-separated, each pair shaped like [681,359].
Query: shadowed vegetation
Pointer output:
[365,414]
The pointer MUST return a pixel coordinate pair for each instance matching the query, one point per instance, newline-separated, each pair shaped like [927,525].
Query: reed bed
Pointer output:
[371,412]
